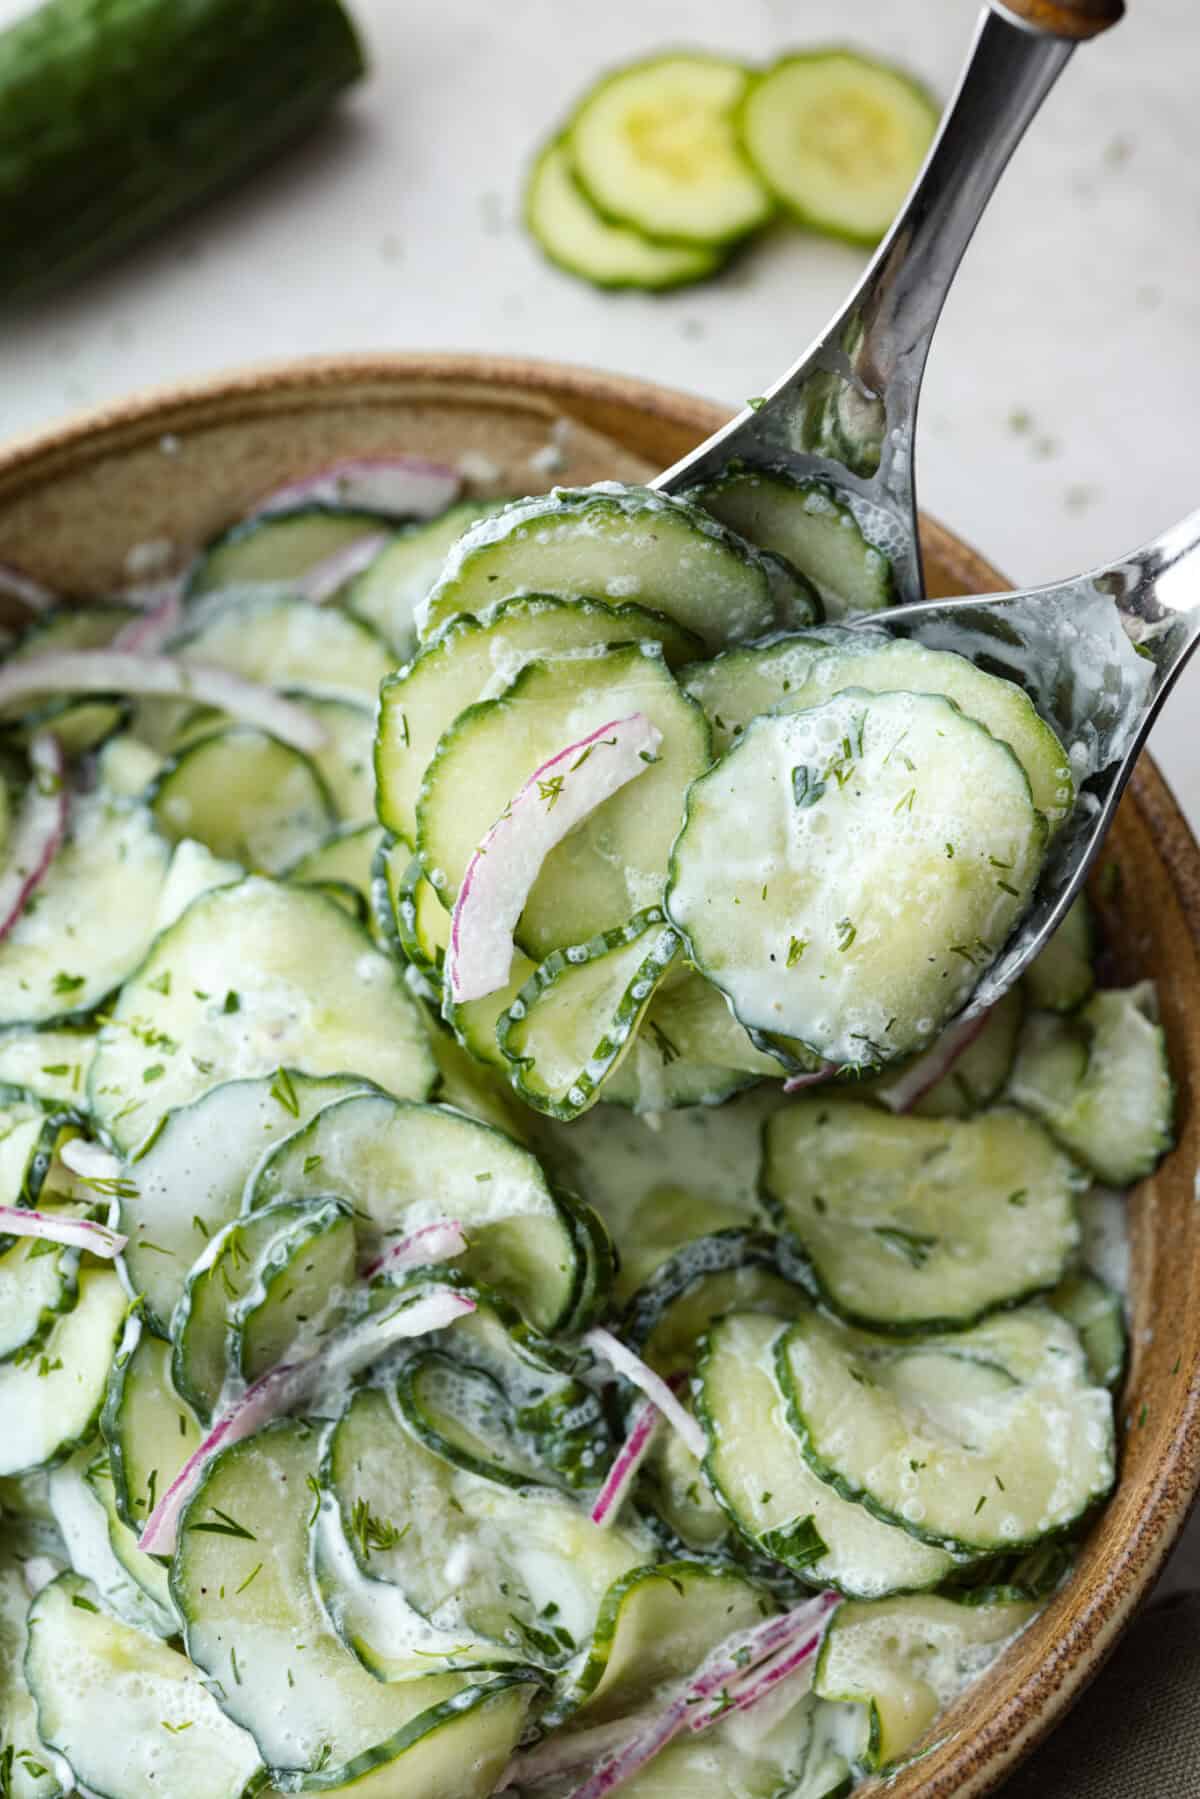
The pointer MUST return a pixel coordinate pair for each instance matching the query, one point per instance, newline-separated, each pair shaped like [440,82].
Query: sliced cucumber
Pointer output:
[756,1468]
[345,761]
[740,683]
[193,870]
[920,1223]
[50,1402]
[279,547]
[614,863]
[467,1087]
[903,1660]
[246,796]
[654,146]
[83,1529]
[301,1289]
[312,993]
[689,1051]
[388,593]
[573,234]
[346,857]
[28,1141]
[980,1072]
[806,523]
[146,1571]
[903,666]
[838,138]
[988,1439]
[837,873]
[288,642]
[732,1270]
[411,917]
[1101,1082]
[131,1715]
[1062,977]
[38,1283]
[615,543]
[283,1674]
[679,1504]
[148,1429]
[93,919]
[1098,1314]
[576,1015]
[79,724]
[468,661]
[126,766]
[50,1067]
[27,1763]
[190,1180]
[403,1166]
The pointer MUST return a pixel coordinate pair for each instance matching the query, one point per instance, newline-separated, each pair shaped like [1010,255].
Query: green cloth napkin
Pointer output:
[1135,1734]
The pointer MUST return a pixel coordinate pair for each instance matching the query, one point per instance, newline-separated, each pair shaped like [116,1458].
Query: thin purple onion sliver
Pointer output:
[902,1094]
[73,1233]
[647,1423]
[438,1242]
[40,828]
[399,486]
[610,1349]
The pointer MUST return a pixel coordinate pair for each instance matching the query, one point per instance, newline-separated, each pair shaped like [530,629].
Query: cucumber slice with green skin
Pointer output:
[1061,977]
[50,1403]
[981,1440]
[301,1289]
[981,1071]
[235,1271]
[1098,1314]
[756,1469]
[345,762]
[146,1571]
[412,919]
[38,1284]
[467,659]
[388,593]
[49,1067]
[733,1270]
[27,1763]
[654,146]
[740,683]
[656,1626]
[93,919]
[132,1716]
[191,1179]
[149,1430]
[403,1166]
[28,1142]
[475,1022]
[571,233]
[283,641]
[538,1567]
[616,543]
[838,139]
[1000,706]
[467,1087]
[346,856]
[614,863]
[83,1529]
[806,523]
[689,1051]
[79,724]
[575,1017]
[673,1494]
[279,547]
[312,993]
[904,1659]
[855,928]
[921,1224]
[1101,1083]
[246,796]
[285,1677]
[192,870]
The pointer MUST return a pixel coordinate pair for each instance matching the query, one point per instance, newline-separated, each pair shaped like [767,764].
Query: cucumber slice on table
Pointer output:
[288,642]
[844,874]
[388,593]
[132,1716]
[319,1718]
[975,1441]
[806,523]
[279,547]
[94,917]
[757,1469]
[575,1016]
[310,991]
[903,1660]
[50,1403]
[838,139]
[614,863]
[581,240]
[1100,1081]
[148,1428]
[654,147]
[246,796]
[468,661]
[615,543]
[404,1166]
[27,1762]
[921,1223]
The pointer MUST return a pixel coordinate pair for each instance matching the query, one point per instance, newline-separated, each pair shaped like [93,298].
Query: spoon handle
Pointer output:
[1076,19]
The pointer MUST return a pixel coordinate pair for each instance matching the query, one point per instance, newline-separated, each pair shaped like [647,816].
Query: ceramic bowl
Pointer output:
[181,464]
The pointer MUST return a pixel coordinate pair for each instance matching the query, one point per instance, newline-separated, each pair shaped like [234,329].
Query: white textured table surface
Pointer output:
[1059,419]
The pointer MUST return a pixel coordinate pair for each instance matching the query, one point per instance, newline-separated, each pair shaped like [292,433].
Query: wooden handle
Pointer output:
[1078,19]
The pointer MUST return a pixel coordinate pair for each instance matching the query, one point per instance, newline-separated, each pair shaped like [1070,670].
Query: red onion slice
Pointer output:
[405,486]
[555,798]
[439,1242]
[160,618]
[327,577]
[645,1428]
[293,1383]
[796,1083]
[902,1094]
[156,676]
[75,1233]
[39,829]
[603,1344]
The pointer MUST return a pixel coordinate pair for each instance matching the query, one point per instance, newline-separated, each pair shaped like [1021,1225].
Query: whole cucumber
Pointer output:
[117,114]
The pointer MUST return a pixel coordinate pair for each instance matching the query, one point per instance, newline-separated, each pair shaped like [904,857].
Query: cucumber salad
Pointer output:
[512,1278]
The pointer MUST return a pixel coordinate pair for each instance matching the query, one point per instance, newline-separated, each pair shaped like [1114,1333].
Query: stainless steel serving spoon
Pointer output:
[846,412]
